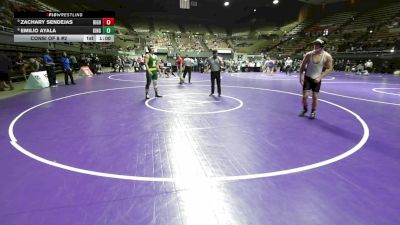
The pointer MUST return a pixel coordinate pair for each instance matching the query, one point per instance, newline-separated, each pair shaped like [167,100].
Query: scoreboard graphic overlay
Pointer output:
[64,26]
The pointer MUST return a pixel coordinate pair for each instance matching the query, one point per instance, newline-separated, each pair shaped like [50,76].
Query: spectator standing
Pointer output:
[5,67]
[50,68]
[67,69]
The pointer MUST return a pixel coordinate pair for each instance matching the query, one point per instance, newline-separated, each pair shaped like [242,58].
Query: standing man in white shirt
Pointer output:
[315,61]
[215,63]
[369,66]
[288,65]
[188,64]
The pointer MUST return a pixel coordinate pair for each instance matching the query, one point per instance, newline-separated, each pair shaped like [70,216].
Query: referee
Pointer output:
[215,63]
[188,64]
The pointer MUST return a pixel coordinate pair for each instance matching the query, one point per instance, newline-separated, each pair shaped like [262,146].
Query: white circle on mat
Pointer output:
[185,99]
[174,79]
[273,77]
[352,150]
[381,90]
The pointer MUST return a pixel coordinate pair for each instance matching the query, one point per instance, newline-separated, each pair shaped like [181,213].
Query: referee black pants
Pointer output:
[215,75]
[188,69]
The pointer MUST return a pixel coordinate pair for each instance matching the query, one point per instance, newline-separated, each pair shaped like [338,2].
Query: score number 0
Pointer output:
[108,21]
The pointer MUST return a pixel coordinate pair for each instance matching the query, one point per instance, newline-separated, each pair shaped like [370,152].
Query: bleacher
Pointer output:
[216,42]
[140,25]
[380,40]
[254,46]
[7,9]
[166,26]
[292,40]
[288,27]
[266,29]
[126,42]
[374,17]
[383,35]
[338,40]
[394,24]
[296,43]
[369,31]
[298,28]
[240,32]
[40,6]
[196,29]
[189,43]
[159,40]
[331,24]
[347,32]
[241,43]
[217,30]
[337,19]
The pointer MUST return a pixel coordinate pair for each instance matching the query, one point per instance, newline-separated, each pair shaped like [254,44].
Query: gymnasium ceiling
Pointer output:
[239,13]
[321,2]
